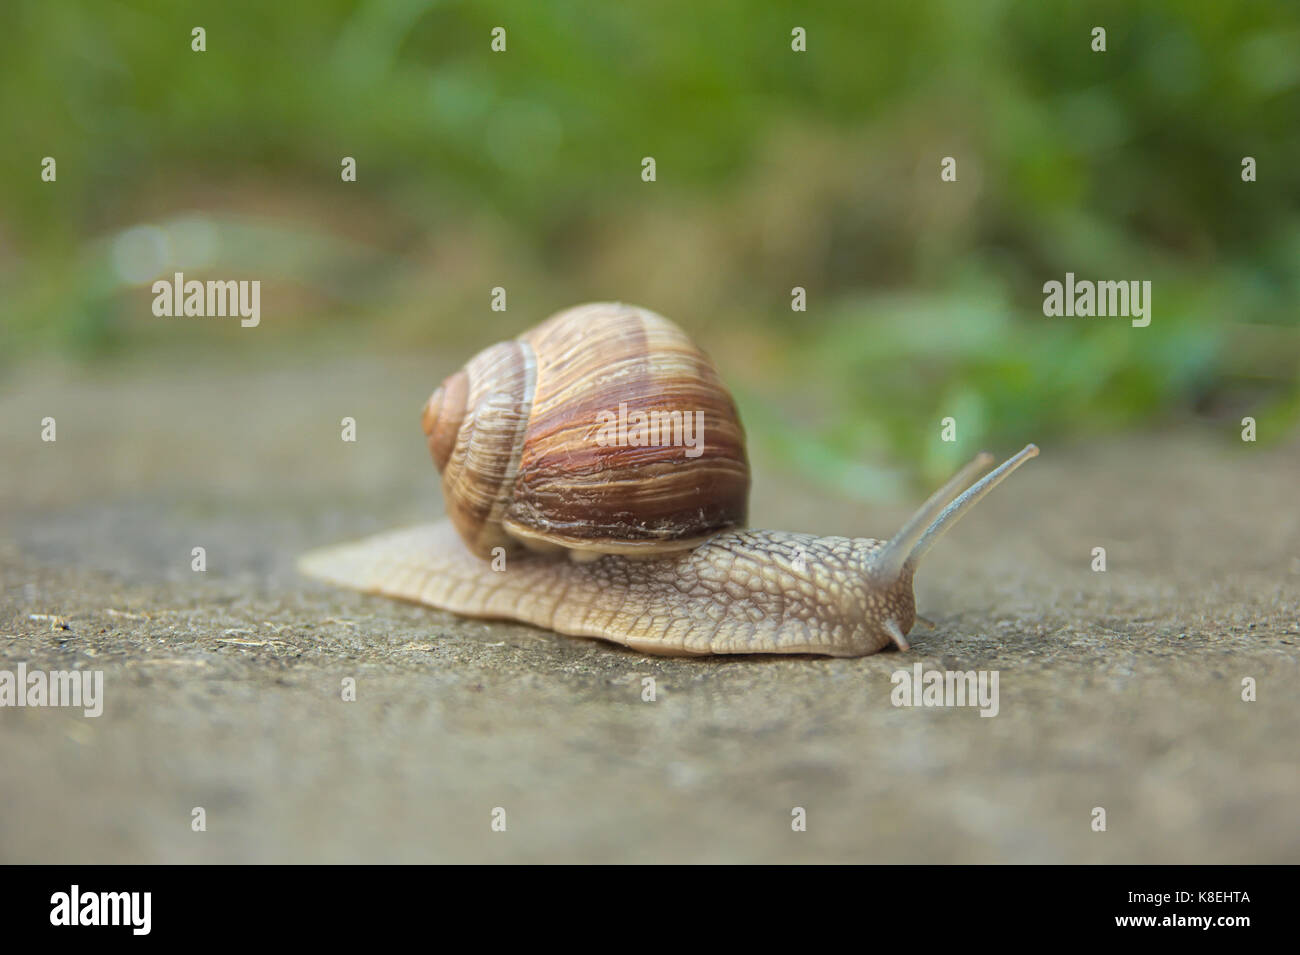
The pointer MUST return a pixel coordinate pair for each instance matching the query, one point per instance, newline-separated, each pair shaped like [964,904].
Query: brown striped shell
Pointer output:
[527,438]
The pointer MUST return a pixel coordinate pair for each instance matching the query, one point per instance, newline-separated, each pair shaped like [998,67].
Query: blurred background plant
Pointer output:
[775,169]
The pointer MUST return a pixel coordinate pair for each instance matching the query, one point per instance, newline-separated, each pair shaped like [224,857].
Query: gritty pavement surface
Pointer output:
[222,689]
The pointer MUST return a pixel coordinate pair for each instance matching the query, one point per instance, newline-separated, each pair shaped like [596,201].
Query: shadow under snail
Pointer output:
[559,520]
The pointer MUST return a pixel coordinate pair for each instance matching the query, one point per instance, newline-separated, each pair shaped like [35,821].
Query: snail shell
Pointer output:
[515,434]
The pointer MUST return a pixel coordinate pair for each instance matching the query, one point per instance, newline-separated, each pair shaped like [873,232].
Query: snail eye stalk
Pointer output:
[937,515]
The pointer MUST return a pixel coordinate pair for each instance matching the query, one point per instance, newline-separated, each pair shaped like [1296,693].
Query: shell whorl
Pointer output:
[480,439]
[518,437]
[443,414]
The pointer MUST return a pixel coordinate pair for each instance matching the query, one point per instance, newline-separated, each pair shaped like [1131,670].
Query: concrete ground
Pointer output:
[1119,690]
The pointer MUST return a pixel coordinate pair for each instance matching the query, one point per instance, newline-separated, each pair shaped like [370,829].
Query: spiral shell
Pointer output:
[522,437]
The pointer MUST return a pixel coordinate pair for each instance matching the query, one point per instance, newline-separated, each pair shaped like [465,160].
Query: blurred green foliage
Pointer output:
[775,169]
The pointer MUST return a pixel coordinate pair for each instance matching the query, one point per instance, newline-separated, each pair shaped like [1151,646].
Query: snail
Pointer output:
[558,519]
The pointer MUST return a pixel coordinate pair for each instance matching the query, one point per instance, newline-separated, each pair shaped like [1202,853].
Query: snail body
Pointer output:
[747,591]
[638,545]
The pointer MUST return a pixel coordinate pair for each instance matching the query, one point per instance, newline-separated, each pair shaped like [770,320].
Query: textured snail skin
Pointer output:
[739,592]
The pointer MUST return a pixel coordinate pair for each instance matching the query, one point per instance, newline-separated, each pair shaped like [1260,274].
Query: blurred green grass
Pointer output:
[775,169]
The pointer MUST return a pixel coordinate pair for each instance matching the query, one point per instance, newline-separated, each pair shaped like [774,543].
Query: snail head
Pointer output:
[890,568]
